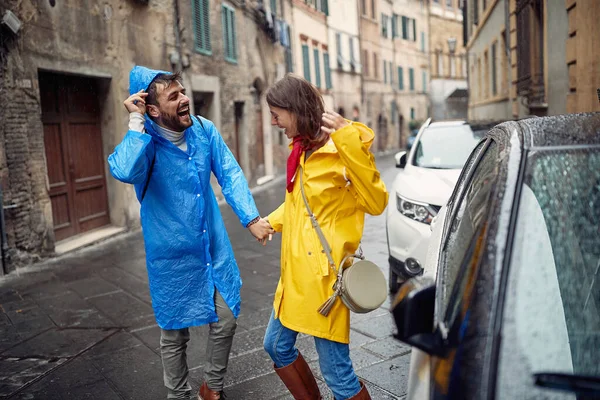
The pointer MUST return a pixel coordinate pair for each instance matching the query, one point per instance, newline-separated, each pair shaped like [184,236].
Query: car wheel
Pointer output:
[393,281]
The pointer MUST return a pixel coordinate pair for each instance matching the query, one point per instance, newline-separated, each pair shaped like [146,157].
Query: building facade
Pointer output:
[448,61]
[310,38]
[346,68]
[396,71]
[532,57]
[65,74]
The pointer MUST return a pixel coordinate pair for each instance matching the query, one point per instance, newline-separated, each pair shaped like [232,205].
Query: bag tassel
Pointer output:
[328,305]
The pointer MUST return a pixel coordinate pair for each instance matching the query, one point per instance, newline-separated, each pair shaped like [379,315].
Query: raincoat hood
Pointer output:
[141,77]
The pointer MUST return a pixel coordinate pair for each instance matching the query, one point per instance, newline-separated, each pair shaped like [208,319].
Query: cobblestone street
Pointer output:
[82,327]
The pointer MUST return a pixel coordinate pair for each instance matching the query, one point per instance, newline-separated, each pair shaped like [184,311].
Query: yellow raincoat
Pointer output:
[341,183]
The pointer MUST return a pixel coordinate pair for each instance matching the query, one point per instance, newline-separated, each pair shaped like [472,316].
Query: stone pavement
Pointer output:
[82,327]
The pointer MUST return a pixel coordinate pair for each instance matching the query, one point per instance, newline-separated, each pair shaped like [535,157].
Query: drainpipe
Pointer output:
[508,56]
[177,33]
[4,245]
[362,70]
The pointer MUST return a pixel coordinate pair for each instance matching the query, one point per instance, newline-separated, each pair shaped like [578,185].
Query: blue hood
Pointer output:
[141,77]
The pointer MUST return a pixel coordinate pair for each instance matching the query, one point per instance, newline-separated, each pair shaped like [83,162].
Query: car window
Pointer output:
[462,241]
[552,311]
[445,147]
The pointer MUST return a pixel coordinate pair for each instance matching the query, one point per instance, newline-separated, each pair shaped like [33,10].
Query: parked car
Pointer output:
[427,177]
[509,305]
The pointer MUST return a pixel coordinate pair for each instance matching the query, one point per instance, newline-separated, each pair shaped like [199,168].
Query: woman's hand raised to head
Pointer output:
[332,121]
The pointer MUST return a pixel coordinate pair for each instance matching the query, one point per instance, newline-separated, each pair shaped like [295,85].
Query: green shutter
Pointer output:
[229,35]
[423,42]
[305,60]
[424,81]
[414,30]
[412,113]
[400,78]
[325,7]
[317,67]
[394,26]
[274,6]
[200,12]
[411,78]
[404,27]
[328,84]
[384,71]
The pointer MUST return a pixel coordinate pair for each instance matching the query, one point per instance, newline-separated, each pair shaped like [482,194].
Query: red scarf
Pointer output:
[294,161]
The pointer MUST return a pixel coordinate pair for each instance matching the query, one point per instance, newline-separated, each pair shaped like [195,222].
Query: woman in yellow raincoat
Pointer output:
[331,157]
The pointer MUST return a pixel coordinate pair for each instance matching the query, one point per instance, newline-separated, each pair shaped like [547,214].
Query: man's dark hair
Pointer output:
[161,79]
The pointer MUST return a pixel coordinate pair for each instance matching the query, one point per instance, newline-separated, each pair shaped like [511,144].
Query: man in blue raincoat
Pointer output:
[168,156]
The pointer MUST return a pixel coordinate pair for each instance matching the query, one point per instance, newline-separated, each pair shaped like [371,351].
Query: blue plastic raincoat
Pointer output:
[188,252]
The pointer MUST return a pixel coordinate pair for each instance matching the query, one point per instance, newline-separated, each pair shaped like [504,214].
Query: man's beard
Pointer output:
[174,123]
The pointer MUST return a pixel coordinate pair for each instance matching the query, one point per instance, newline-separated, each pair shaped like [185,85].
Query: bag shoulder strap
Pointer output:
[316,225]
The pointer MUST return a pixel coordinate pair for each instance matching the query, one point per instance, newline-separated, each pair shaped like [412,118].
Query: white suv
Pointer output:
[424,184]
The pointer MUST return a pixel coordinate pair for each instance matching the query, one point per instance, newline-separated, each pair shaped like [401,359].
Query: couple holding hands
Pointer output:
[169,155]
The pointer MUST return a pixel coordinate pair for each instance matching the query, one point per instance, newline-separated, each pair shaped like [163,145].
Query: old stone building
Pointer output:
[346,68]
[396,72]
[65,67]
[532,57]
[448,61]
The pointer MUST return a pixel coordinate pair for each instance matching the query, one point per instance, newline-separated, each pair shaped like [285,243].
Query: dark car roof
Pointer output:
[560,130]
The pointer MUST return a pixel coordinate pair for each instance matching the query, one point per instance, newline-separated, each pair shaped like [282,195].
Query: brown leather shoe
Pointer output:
[363,394]
[206,394]
[299,380]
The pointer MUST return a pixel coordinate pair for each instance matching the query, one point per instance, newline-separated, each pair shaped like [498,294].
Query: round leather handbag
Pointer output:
[364,288]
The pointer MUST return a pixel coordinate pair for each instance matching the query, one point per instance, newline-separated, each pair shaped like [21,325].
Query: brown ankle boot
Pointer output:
[206,394]
[299,380]
[363,394]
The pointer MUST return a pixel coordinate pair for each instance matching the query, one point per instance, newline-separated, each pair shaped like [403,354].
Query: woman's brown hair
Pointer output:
[296,95]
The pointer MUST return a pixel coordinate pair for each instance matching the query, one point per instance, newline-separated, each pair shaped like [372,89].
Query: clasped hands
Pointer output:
[262,230]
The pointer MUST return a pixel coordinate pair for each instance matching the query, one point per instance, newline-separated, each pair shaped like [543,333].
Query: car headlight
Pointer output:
[420,212]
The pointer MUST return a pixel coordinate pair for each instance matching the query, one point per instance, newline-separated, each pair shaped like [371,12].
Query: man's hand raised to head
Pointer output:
[136,102]
[261,230]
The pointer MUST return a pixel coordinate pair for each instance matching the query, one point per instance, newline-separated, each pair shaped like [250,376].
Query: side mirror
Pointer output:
[400,159]
[413,312]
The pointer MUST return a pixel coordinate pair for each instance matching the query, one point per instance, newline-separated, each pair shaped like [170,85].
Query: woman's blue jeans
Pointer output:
[334,358]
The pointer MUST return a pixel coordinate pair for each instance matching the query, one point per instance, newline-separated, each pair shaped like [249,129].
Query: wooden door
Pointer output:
[74,156]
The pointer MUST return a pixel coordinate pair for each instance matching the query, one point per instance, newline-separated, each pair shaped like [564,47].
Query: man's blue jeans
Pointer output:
[334,358]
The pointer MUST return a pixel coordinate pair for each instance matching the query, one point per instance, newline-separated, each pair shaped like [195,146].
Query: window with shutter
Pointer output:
[200,13]
[404,27]
[391,74]
[229,33]
[411,79]
[384,71]
[400,78]
[414,32]
[305,62]
[328,84]
[352,59]
[325,7]
[376,65]
[317,68]
[338,44]
[394,26]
